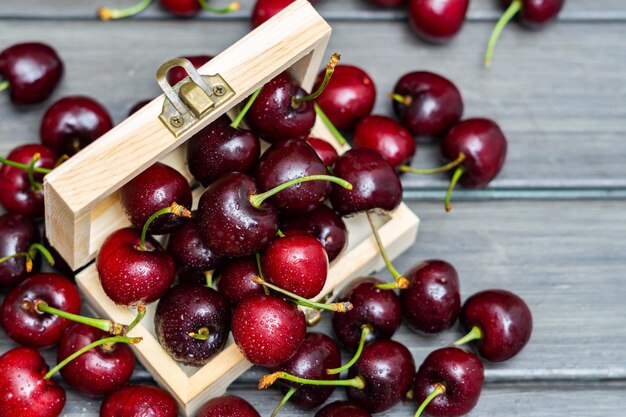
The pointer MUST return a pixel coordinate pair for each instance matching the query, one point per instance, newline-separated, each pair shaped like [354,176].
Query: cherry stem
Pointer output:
[330,68]
[455,178]
[24,166]
[365,330]
[282,402]
[400,281]
[257,199]
[38,247]
[29,260]
[337,307]
[37,186]
[141,312]
[41,307]
[329,125]
[267,380]
[201,334]
[208,275]
[406,100]
[106,13]
[474,334]
[175,209]
[4,85]
[280,233]
[244,110]
[233,7]
[443,168]
[258,265]
[439,389]
[108,340]
[509,13]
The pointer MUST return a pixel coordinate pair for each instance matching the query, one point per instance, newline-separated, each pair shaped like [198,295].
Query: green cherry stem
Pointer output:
[175,209]
[406,100]
[509,13]
[233,7]
[235,123]
[282,402]
[4,85]
[201,334]
[36,185]
[280,233]
[41,307]
[106,13]
[443,168]
[208,275]
[141,312]
[399,281]
[267,380]
[257,199]
[24,166]
[439,389]
[108,340]
[330,68]
[455,178]
[474,334]
[365,330]
[29,260]
[329,125]
[38,247]
[258,266]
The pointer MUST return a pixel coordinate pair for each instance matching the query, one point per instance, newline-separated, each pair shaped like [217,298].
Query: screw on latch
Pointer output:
[219,90]
[177,121]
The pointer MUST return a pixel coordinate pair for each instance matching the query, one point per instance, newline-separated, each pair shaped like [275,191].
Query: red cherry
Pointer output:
[17,234]
[181,8]
[385,136]
[227,405]
[324,150]
[437,21]
[234,279]
[139,401]
[342,409]
[189,251]
[176,74]
[266,9]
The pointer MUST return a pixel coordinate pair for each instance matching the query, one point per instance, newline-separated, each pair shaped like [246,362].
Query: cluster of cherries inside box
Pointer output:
[257,248]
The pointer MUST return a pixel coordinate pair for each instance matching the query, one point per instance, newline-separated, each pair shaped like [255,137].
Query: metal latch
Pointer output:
[191,99]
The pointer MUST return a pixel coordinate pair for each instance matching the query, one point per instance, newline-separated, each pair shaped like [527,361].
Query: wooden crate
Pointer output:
[82,203]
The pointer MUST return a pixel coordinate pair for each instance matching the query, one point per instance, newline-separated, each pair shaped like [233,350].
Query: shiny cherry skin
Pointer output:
[437,21]
[189,251]
[342,409]
[462,375]
[99,370]
[380,309]
[324,150]
[323,223]
[72,123]
[33,71]
[387,368]
[155,188]
[266,9]
[139,401]
[435,103]
[234,279]
[349,96]
[287,160]
[535,14]
[296,263]
[181,8]
[178,73]
[219,149]
[504,319]
[484,146]
[274,117]
[131,276]
[33,329]
[186,309]
[375,183]
[17,233]
[432,302]
[18,196]
[268,330]
[227,221]
[24,392]
[317,354]
[385,136]
[227,405]
[60,264]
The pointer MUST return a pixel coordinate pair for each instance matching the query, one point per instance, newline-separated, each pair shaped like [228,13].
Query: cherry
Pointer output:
[448,383]
[31,70]
[324,224]
[60,265]
[154,189]
[179,8]
[266,9]
[189,251]
[426,103]
[227,405]
[17,235]
[499,320]
[324,150]
[375,183]
[139,401]
[219,149]
[385,136]
[342,409]
[99,370]
[138,106]
[25,391]
[432,301]
[349,96]
[192,323]
[267,330]
[22,191]
[176,74]
[437,21]
[234,279]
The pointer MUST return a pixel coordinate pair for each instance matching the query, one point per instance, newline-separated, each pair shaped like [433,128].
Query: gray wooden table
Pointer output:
[551,227]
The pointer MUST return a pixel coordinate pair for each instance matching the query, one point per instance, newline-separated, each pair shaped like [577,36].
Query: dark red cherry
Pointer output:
[189,251]
[17,234]
[502,320]
[380,309]
[227,405]
[155,188]
[234,279]
[453,378]
[176,74]
[17,194]
[274,116]
[72,123]
[192,323]
[32,328]
[387,368]
[32,70]
[138,106]
[101,369]
[24,391]
[375,183]
[437,21]
[181,8]
[228,222]
[349,96]
[342,409]
[427,104]
[536,13]
[268,330]
[131,276]
[385,136]
[323,223]
[266,9]
[324,150]
[432,302]
[139,401]
[60,265]
[219,149]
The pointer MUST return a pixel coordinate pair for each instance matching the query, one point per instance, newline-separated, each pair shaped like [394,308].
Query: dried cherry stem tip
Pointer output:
[232,7]
[330,68]
[41,307]
[141,312]
[443,168]
[106,13]
[257,199]
[30,255]
[474,334]
[509,13]
[201,334]
[175,209]
[365,330]
[439,389]
[406,100]
[268,380]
